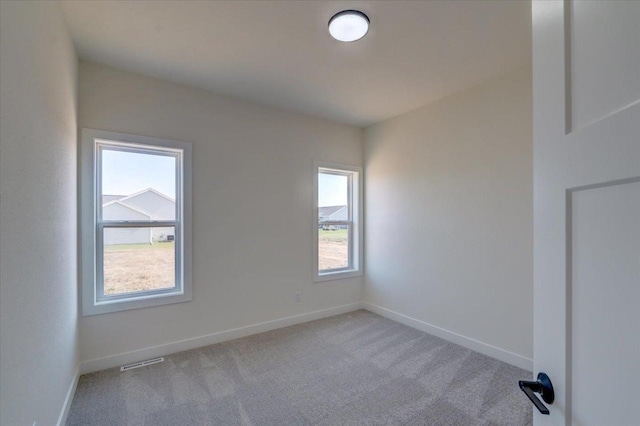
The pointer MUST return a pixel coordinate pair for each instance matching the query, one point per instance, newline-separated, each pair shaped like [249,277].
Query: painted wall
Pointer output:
[449,213]
[38,251]
[252,207]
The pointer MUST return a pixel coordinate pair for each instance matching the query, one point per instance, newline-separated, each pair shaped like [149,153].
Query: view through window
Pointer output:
[137,219]
[335,221]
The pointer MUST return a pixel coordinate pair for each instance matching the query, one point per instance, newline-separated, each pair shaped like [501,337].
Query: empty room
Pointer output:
[298,212]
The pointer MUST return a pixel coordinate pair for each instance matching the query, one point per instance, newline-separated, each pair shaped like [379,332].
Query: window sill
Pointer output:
[139,302]
[334,276]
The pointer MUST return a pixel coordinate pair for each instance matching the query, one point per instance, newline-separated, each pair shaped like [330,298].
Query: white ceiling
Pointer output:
[280,53]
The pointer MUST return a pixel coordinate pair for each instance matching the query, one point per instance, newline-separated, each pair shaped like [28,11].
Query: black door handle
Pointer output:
[542,386]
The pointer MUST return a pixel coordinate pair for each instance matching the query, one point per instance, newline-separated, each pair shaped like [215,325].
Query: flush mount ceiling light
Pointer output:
[348,25]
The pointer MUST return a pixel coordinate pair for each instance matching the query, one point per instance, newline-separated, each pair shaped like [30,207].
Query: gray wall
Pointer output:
[38,267]
[252,207]
[449,214]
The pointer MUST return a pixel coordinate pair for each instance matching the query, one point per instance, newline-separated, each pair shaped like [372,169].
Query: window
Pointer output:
[136,221]
[337,221]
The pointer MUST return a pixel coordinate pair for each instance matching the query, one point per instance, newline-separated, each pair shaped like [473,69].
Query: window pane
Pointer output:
[138,186]
[138,259]
[333,192]
[333,247]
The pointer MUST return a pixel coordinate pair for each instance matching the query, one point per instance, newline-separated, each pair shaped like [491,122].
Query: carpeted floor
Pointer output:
[353,369]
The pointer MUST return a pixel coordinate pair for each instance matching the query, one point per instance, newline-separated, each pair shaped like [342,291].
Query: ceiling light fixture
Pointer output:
[348,25]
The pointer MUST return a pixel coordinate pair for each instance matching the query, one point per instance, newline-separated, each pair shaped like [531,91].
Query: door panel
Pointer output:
[586,86]
[605,304]
[604,39]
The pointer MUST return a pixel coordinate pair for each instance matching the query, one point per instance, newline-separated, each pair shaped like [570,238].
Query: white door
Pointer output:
[586,86]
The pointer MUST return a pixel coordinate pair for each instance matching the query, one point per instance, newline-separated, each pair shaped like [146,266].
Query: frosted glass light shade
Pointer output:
[348,25]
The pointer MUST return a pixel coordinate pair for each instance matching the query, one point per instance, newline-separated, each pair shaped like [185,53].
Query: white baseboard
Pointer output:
[467,342]
[62,419]
[222,336]
[210,339]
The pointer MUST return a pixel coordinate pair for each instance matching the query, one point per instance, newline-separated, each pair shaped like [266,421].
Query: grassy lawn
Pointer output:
[154,246]
[138,267]
[332,235]
[333,248]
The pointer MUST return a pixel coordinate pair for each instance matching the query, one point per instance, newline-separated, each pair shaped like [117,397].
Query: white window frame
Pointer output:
[94,301]
[355,222]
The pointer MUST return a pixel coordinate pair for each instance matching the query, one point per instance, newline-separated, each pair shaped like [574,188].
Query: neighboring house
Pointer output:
[330,213]
[109,198]
[148,204]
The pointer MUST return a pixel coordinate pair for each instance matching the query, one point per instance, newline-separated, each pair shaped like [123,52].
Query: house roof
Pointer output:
[135,194]
[108,198]
[124,198]
[329,210]
[135,209]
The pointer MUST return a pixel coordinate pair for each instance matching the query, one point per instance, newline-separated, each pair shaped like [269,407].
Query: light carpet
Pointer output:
[352,369]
